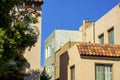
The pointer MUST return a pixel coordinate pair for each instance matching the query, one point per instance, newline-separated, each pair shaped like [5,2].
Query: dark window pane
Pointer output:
[111,36]
[101,39]
[72,73]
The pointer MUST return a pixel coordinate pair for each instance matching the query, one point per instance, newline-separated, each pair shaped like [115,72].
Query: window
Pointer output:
[48,51]
[72,72]
[111,36]
[103,72]
[101,39]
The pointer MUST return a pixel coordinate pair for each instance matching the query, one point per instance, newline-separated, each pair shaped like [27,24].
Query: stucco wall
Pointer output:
[57,57]
[109,20]
[34,55]
[85,67]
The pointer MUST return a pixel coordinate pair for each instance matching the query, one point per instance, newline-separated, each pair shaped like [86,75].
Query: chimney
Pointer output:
[86,23]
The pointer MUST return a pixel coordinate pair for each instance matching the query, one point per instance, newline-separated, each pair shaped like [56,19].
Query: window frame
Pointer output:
[71,68]
[103,65]
[48,51]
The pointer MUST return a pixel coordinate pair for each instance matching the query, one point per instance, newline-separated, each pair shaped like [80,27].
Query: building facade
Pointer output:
[80,62]
[86,61]
[33,7]
[94,61]
[53,43]
[106,30]
[58,53]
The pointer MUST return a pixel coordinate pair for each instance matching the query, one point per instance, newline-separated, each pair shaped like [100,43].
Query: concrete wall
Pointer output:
[57,39]
[64,36]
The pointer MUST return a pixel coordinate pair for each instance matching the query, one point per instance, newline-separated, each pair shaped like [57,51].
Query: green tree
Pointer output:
[16,35]
[33,75]
[44,75]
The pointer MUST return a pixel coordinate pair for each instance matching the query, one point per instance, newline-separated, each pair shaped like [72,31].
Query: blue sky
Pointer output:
[69,14]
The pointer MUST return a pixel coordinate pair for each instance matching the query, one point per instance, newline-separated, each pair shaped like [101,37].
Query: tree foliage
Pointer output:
[44,75]
[37,75]
[16,35]
[5,7]
[33,75]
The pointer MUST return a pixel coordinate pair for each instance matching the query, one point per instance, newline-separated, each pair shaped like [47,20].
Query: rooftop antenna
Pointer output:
[87,19]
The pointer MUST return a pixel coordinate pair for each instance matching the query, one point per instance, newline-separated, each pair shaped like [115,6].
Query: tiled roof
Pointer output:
[38,1]
[34,0]
[102,50]
[29,9]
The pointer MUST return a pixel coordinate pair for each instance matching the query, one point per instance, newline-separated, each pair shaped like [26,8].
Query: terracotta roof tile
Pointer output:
[99,50]
[33,0]
[38,1]
[29,9]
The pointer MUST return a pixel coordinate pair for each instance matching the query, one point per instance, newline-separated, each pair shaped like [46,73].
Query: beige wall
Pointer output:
[85,67]
[34,55]
[85,25]
[109,20]
[57,57]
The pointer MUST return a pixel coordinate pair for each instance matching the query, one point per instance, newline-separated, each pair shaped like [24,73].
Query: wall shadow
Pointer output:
[64,61]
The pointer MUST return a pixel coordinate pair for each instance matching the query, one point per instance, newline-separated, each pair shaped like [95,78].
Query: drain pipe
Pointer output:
[93,24]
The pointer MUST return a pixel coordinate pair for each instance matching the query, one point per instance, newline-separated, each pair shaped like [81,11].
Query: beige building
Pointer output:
[86,61]
[34,7]
[106,30]
[53,43]
[57,57]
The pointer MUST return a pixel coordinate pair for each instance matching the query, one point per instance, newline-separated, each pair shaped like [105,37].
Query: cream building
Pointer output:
[34,6]
[79,63]
[58,53]
[106,30]
[86,61]
[53,43]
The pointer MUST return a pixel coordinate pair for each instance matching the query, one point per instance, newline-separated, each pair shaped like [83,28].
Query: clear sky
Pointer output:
[69,14]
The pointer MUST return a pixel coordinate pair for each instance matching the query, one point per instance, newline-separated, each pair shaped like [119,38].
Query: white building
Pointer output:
[54,42]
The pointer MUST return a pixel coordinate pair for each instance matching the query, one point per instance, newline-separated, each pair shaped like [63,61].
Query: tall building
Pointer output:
[105,30]
[53,43]
[33,7]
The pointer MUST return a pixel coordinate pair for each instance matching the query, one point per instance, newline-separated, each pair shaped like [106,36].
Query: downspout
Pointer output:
[93,32]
